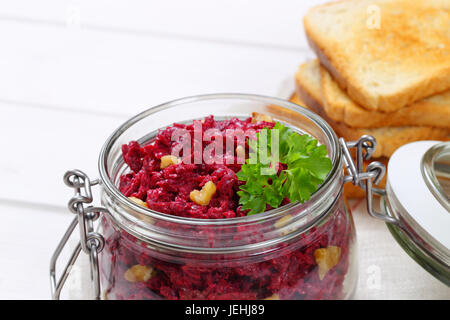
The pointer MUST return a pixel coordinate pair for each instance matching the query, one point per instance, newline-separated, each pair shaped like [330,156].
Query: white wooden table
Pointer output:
[72,71]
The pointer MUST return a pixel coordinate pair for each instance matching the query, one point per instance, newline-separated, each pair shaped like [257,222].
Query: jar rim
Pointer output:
[112,189]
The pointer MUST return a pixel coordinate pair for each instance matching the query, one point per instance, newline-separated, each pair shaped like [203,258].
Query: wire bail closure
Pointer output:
[365,147]
[91,242]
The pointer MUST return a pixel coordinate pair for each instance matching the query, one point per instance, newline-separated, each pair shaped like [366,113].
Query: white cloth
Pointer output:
[386,271]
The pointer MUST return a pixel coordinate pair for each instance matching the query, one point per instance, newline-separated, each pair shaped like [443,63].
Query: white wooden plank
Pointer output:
[39,145]
[262,22]
[28,236]
[122,74]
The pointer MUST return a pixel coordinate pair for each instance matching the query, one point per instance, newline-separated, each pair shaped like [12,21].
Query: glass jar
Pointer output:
[418,198]
[297,251]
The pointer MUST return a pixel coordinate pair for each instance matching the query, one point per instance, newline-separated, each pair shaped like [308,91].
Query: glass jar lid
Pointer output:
[417,195]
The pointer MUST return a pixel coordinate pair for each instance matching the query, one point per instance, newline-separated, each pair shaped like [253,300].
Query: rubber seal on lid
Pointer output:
[436,172]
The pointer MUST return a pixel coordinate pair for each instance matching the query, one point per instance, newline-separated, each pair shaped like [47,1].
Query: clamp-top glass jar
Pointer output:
[297,251]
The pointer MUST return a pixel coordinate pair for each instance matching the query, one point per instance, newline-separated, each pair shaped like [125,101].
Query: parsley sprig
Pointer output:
[306,166]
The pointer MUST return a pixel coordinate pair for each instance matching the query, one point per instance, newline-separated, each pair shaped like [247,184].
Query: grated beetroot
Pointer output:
[290,271]
[168,190]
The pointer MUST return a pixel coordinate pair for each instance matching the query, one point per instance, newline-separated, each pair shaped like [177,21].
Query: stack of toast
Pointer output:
[382,68]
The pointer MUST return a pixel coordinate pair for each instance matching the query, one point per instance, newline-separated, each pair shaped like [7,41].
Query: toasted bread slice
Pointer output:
[308,85]
[433,111]
[386,54]
[350,190]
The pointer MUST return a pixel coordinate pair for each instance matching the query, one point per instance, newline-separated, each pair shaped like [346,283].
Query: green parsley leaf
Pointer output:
[306,167]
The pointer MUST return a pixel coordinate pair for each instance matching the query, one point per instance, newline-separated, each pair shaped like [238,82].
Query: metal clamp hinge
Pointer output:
[375,171]
[91,242]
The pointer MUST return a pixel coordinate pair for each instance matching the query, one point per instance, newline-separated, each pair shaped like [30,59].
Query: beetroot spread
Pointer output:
[168,190]
[312,266]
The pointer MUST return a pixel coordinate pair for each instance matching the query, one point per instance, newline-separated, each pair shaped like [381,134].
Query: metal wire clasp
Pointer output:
[365,146]
[91,242]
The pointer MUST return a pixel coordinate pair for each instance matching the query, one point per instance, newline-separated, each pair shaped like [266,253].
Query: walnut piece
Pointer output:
[280,223]
[275,296]
[143,217]
[168,161]
[240,151]
[203,197]
[257,117]
[138,273]
[327,258]
[138,201]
